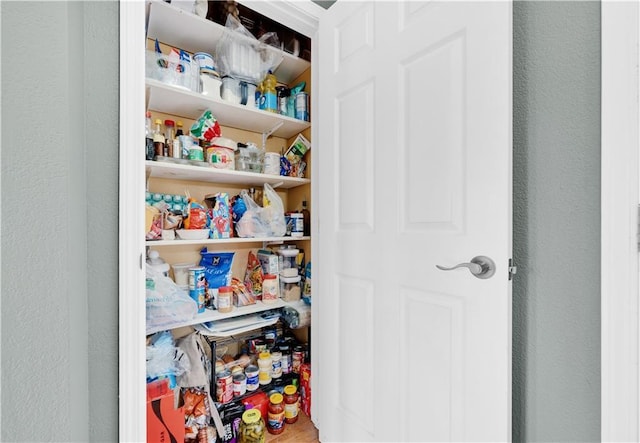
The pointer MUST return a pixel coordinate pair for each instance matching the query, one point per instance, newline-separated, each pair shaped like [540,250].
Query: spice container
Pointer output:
[225,299]
[275,416]
[291,406]
[252,427]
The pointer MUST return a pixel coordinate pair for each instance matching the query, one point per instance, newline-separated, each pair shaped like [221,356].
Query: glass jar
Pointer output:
[291,406]
[276,364]
[264,368]
[275,416]
[252,427]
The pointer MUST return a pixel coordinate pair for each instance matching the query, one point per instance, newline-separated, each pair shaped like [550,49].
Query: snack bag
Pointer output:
[253,275]
[206,127]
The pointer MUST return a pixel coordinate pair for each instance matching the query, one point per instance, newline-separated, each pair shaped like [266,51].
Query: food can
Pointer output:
[252,377]
[302,106]
[298,358]
[239,385]
[224,387]
[197,283]
[297,224]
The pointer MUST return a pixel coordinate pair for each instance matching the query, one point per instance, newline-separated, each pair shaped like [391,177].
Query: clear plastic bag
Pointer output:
[167,304]
[240,55]
[164,359]
[273,212]
[251,224]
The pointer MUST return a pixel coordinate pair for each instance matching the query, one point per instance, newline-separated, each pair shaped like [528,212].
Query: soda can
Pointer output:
[302,106]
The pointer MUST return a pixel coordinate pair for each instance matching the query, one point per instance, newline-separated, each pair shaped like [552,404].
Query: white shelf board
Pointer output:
[184,103]
[210,315]
[222,241]
[210,174]
[183,30]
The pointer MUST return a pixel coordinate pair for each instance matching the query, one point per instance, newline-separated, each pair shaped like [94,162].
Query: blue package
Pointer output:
[217,266]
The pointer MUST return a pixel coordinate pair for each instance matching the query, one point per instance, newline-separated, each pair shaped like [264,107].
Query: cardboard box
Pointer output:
[164,422]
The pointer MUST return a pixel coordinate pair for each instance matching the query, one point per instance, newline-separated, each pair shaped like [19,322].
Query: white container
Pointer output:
[290,288]
[157,263]
[211,84]
[287,262]
[272,163]
[297,225]
[181,273]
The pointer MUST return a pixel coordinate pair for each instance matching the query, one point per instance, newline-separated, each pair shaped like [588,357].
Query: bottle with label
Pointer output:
[290,404]
[179,131]
[275,416]
[148,130]
[252,427]
[270,96]
[306,218]
[170,134]
[158,139]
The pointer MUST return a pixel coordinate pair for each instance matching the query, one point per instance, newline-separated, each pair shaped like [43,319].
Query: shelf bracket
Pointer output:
[266,135]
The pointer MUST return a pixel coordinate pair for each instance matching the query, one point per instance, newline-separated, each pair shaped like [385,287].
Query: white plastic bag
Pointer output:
[251,224]
[273,212]
[167,304]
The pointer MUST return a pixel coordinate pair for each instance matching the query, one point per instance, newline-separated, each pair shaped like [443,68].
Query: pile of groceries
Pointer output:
[238,390]
[193,397]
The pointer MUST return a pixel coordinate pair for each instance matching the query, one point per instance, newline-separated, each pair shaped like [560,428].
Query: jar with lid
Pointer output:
[225,299]
[269,288]
[298,358]
[252,427]
[275,415]
[158,138]
[291,406]
[276,364]
[264,368]
[286,358]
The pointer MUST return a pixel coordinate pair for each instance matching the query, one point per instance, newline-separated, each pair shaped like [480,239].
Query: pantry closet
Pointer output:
[409,110]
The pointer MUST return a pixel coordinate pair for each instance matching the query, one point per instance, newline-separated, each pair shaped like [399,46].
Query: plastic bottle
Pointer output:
[169,135]
[270,94]
[179,129]
[157,263]
[306,217]
[148,133]
[158,139]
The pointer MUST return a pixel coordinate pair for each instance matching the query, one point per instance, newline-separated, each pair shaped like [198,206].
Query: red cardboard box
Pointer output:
[164,422]
[305,388]
[259,401]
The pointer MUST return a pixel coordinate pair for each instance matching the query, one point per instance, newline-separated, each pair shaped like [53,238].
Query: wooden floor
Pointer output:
[301,431]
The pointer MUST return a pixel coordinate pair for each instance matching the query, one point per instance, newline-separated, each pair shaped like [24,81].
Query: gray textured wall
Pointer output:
[556,306]
[59,273]
[59,221]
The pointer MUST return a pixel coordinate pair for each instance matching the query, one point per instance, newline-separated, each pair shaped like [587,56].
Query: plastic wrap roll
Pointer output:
[297,315]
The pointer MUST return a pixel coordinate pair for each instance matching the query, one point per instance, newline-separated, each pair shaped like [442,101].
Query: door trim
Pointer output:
[131,307]
[619,209]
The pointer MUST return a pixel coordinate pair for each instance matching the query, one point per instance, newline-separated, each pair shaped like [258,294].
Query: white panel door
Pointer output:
[414,149]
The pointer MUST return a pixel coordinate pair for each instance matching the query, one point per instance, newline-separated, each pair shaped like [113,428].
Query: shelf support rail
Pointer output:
[266,135]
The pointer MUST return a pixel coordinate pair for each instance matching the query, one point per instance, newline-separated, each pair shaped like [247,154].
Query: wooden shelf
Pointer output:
[210,315]
[223,241]
[210,174]
[184,103]
[187,31]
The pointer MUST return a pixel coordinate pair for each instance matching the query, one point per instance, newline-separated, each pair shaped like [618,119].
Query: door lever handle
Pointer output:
[480,266]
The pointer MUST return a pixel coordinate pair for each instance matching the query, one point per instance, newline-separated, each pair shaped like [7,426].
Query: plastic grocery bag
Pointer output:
[165,360]
[273,212]
[239,54]
[251,224]
[167,304]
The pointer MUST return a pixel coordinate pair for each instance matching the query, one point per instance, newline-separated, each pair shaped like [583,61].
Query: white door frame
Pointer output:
[619,200]
[302,16]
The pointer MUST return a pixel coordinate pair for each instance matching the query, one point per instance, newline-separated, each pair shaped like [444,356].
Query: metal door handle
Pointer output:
[480,266]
